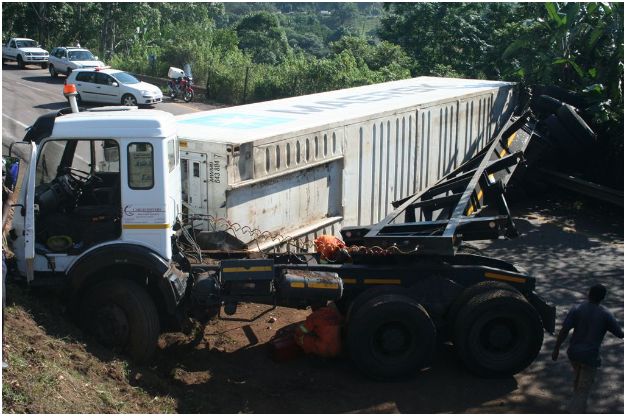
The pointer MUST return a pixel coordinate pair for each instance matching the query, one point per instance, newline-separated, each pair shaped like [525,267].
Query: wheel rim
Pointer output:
[392,341]
[188,96]
[499,339]
[129,100]
[111,326]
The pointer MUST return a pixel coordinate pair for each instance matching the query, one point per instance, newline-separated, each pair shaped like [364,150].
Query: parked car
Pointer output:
[65,59]
[112,86]
[24,51]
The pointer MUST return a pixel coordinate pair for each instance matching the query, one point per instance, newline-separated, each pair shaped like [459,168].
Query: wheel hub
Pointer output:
[392,339]
[500,336]
[111,326]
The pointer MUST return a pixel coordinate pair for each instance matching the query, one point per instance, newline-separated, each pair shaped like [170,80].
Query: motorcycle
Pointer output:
[180,84]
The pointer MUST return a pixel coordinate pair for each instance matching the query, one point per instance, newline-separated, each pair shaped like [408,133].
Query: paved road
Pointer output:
[28,93]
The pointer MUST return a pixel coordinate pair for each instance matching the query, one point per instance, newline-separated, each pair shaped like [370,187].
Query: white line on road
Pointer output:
[32,88]
[14,120]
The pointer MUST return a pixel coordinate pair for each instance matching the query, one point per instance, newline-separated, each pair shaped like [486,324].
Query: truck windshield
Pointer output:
[26,44]
[81,56]
[125,78]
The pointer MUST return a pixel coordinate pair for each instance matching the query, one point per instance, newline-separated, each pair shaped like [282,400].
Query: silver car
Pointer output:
[63,60]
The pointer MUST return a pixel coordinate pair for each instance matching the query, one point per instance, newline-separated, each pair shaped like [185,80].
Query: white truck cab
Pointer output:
[99,200]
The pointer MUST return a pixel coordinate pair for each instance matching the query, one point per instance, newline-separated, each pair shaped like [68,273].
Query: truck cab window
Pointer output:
[49,161]
[172,153]
[140,166]
[78,194]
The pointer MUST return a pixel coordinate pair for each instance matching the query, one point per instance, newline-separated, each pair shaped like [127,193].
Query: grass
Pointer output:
[52,369]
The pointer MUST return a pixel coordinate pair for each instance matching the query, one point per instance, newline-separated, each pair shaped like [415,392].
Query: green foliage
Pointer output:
[261,36]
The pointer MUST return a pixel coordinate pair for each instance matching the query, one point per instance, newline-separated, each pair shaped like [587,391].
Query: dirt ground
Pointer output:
[566,243]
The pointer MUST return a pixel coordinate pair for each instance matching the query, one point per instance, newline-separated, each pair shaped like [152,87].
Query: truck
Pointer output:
[99,213]
[24,51]
[353,151]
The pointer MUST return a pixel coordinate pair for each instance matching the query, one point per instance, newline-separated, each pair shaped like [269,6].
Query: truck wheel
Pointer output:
[391,337]
[123,317]
[574,123]
[471,292]
[498,334]
[363,297]
[562,137]
[545,105]
[129,99]
[68,71]
[44,65]
[53,72]
[20,62]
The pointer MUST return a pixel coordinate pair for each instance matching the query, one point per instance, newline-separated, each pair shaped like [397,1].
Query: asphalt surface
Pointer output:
[565,243]
[31,92]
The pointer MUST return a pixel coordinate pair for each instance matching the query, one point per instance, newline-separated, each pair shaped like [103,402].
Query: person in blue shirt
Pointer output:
[590,322]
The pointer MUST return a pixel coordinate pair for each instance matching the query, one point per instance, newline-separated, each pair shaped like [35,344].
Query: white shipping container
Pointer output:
[309,165]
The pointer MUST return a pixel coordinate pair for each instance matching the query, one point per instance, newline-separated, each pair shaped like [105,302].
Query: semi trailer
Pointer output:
[299,167]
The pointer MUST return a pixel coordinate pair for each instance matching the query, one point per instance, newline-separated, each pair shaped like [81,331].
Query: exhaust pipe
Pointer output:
[69,91]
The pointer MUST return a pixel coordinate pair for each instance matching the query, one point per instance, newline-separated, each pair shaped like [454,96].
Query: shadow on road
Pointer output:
[53,106]
[46,80]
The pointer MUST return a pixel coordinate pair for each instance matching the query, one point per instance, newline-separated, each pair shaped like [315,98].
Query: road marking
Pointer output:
[15,121]
[187,106]
[32,88]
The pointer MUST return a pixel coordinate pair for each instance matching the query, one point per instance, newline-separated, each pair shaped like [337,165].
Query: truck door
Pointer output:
[193,178]
[29,220]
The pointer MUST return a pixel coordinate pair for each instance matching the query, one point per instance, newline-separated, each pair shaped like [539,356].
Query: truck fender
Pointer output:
[86,270]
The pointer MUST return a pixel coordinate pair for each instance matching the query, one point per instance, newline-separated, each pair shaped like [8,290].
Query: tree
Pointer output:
[261,36]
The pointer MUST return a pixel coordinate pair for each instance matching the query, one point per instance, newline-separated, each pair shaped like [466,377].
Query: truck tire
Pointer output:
[44,65]
[363,297]
[576,125]
[471,292]
[391,337]
[53,71]
[562,137]
[20,62]
[545,105]
[123,317]
[498,334]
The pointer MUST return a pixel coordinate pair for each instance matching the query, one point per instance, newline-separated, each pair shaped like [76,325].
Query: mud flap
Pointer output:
[546,311]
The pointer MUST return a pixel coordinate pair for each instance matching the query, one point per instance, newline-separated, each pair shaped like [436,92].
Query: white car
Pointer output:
[24,51]
[112,86]
[64,60]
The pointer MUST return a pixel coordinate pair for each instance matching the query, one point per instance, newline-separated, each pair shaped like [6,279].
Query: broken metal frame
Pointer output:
[455,208]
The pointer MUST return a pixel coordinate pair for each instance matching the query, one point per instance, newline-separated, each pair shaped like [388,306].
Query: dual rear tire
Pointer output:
[495,330]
